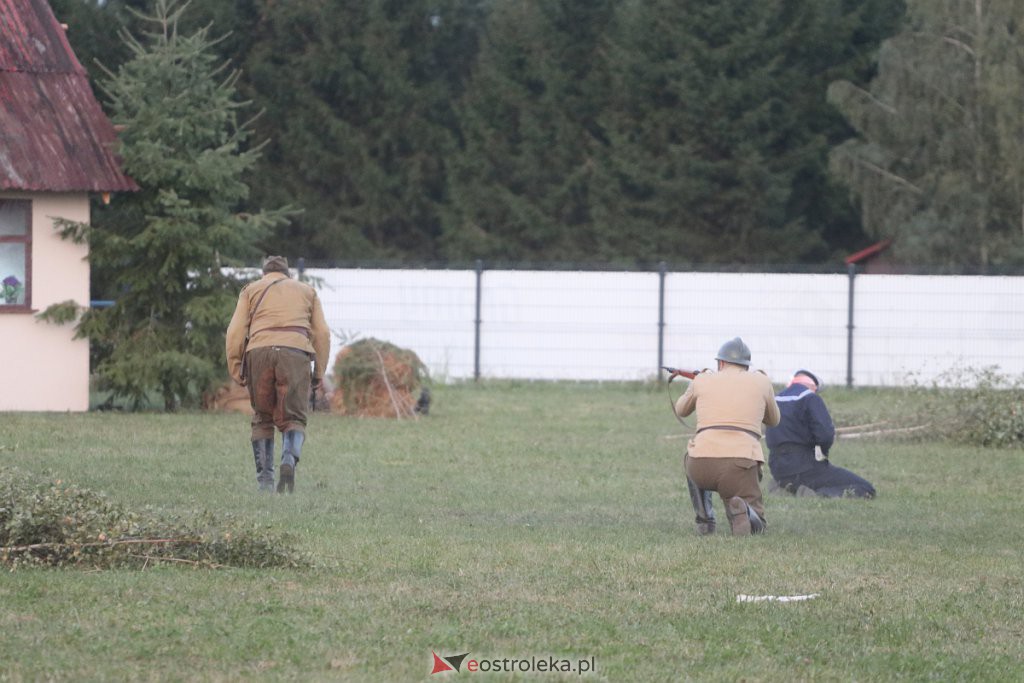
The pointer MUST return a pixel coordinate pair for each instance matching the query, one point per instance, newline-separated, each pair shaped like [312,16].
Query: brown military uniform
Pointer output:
[725,455]
[288,331]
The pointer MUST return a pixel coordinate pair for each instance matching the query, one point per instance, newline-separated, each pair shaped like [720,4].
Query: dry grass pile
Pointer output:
[228,398]
[373,378]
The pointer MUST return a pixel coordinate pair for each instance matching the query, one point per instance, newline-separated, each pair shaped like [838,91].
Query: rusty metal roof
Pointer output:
[54,137]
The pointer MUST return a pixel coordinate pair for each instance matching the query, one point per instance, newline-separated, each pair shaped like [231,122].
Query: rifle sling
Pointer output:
[248,327]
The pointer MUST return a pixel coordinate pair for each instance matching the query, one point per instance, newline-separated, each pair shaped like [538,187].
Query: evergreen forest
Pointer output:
[613,132]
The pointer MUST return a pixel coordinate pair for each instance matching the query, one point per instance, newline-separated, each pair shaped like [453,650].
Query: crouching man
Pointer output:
[799,446]
[725,454]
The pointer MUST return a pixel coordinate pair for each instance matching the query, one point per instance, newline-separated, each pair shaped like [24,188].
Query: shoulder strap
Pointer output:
[258,302]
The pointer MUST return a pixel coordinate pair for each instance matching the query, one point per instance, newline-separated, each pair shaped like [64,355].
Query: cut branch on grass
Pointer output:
[194,563]
[858,428]
[97,544]
[885,432]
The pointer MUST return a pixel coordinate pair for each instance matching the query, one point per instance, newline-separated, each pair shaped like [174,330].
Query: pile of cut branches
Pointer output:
[60,525]
[373,378]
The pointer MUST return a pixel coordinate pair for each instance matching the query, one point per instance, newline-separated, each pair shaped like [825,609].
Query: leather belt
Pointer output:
[754,434]
[287,328]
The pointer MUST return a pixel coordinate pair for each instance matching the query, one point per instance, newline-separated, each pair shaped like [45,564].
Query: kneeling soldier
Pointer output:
[725,455]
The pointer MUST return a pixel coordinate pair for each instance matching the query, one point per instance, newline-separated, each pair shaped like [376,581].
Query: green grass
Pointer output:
[518,520]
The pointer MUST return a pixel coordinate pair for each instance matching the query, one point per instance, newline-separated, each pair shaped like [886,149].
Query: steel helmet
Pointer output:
[734,351]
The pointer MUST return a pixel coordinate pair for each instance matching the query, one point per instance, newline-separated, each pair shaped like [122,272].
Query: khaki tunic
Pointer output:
[289,304]
[732,397]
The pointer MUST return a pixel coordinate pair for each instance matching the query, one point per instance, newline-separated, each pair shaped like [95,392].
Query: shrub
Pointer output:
[61,525]
[977,406]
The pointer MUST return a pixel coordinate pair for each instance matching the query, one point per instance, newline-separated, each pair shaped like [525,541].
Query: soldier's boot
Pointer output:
[743,519]
[263,454]
[290,454]
[701,501]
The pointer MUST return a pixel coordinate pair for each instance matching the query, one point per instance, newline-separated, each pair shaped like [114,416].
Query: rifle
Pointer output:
[676,372]
[672,374]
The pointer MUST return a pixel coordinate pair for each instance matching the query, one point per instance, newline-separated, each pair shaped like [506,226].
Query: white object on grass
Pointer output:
[774,598]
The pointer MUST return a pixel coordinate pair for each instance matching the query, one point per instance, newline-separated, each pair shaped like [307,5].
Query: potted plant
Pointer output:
[12,289]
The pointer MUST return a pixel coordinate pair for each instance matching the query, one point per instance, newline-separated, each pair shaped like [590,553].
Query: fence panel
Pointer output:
[569,325]
[584,325]
[789,321]
[428,311]
[922,326]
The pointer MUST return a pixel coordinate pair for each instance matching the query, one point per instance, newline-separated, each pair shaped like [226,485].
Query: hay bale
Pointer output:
[228,398]
[373,378]
[234,398]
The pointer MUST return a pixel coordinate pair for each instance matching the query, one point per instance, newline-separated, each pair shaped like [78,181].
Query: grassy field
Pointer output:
[519,521]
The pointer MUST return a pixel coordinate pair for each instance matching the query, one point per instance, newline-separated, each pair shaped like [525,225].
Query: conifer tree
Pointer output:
[359,116]
[521,181]
[937,163]
[158,253]
[719,130]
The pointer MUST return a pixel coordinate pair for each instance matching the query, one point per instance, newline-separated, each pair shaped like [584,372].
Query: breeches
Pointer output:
[279,381]
[729,477]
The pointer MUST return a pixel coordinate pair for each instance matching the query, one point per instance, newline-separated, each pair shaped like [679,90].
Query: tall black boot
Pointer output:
[263,454]
[702,505]
[757,525]
[290,454]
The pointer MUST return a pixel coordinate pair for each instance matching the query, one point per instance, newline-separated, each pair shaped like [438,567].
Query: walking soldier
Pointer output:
[277,330]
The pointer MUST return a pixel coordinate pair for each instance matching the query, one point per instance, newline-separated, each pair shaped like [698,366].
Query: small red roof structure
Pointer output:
[871,252]
[54,137]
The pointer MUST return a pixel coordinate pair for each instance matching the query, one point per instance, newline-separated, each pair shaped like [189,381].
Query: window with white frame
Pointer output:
[15,254]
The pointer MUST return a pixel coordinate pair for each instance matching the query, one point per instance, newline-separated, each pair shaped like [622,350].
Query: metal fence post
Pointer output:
[661,317]
[852,271]
[476,322]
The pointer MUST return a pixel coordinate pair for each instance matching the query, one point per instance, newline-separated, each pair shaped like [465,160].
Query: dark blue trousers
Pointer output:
[829,481]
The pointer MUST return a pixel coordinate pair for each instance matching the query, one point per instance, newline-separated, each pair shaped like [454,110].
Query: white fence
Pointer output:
[606,325]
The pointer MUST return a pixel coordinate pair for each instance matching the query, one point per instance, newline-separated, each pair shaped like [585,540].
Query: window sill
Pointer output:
[16,308]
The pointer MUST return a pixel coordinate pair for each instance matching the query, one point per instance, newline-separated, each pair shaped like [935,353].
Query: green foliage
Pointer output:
[570,130]
[60,313]
[358,113]
[521,183]
[939,159]
[974,406]
[93,30]
[158,253]
[657,130]
[61,525]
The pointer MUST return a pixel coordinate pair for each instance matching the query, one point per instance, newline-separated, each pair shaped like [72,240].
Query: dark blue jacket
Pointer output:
[805,424]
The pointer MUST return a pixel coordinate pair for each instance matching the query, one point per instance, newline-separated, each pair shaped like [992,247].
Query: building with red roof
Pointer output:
[56,147]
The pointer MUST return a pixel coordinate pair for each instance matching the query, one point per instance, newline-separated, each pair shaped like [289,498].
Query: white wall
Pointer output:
[604,325]
[44,368]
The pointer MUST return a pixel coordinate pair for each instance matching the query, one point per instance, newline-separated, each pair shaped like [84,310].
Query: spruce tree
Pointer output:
[158,254]
[359,116]
[719,130]
[937,163]
[531,142]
